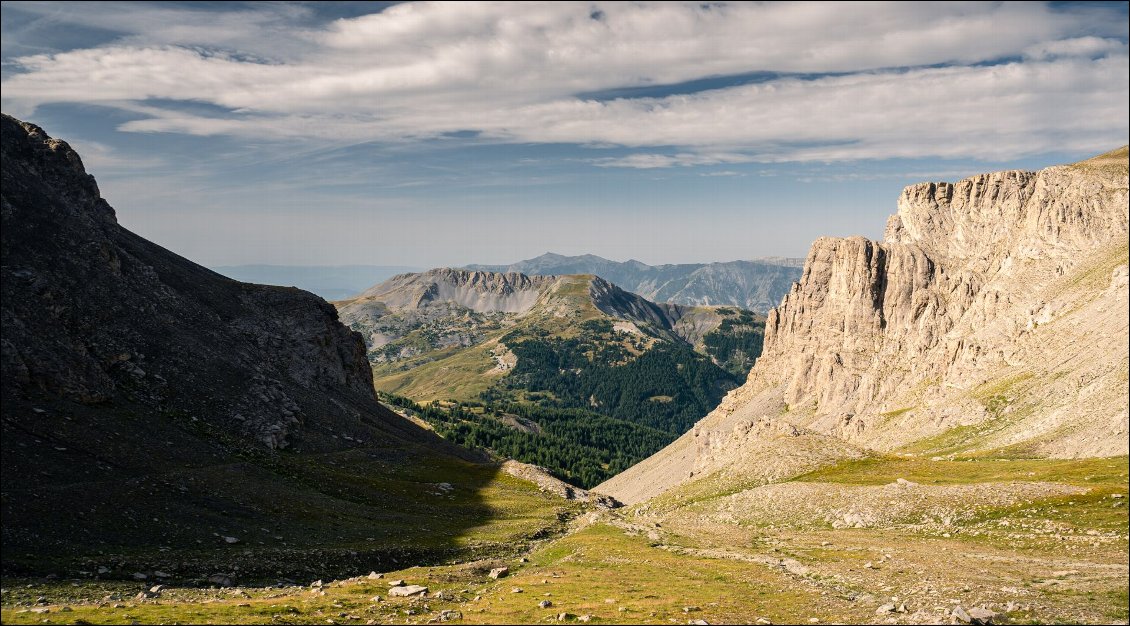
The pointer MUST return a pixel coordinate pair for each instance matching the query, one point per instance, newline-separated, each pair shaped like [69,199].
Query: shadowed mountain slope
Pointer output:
[153,407]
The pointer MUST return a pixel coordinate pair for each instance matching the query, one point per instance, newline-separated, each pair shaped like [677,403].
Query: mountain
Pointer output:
[754,285]
[159,417]
[992,320]
[332,282]
[572,350]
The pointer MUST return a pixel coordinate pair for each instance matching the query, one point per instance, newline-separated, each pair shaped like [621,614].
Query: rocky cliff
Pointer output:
[992,317]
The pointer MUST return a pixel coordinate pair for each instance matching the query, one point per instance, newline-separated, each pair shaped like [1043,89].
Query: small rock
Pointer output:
[407,591]
[316,584]
[1117,495]
[376,599]
[102,569]
[499,572]
[584,618]
[960,615]
[884,609]
[523,560]
[545,604]
[564,617]
[445,616]
[763,621]
[516,590]
[814,620]
[869,565]
[699,622]
[66,609]
[160,574]
[139,576]
[375,576]
[231,540]
[396,583]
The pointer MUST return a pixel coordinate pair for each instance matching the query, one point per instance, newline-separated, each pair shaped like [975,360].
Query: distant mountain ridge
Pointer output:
[757,285]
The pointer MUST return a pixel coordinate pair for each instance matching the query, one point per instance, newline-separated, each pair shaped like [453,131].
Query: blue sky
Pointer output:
[430,134]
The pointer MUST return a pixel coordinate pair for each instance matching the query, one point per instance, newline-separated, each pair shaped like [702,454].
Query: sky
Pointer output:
[429,134]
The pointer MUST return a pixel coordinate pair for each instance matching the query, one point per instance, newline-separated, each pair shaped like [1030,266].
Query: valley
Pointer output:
[928,429]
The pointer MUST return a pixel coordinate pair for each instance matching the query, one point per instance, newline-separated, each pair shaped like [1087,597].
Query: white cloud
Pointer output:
[512,72]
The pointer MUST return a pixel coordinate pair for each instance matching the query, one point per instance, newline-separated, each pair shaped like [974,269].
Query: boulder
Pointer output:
[499,572]
[981,615]
[407,591]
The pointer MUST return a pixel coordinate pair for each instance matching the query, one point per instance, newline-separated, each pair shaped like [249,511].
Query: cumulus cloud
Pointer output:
[848,81]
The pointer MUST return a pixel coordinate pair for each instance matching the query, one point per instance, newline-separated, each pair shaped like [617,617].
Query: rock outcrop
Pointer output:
[998,303]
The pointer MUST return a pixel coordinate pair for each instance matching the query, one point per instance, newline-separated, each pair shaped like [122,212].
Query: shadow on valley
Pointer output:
[190,503]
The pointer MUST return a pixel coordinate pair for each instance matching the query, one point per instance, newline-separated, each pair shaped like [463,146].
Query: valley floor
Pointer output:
[890,540]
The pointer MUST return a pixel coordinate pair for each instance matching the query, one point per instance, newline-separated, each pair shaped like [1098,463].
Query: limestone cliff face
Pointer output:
[998,303]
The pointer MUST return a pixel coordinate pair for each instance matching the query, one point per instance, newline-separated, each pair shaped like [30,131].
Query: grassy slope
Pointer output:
[1058,559]
[296,515]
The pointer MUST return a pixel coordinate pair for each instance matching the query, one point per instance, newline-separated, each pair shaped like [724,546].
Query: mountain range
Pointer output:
[756,285]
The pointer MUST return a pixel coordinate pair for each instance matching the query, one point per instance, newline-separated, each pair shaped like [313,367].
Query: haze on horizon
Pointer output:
[429,134]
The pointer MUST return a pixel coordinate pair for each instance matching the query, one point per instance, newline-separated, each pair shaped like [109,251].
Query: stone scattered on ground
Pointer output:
[407,591]
[499,572]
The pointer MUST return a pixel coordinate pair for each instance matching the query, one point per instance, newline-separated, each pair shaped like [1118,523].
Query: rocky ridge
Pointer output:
[997,304]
